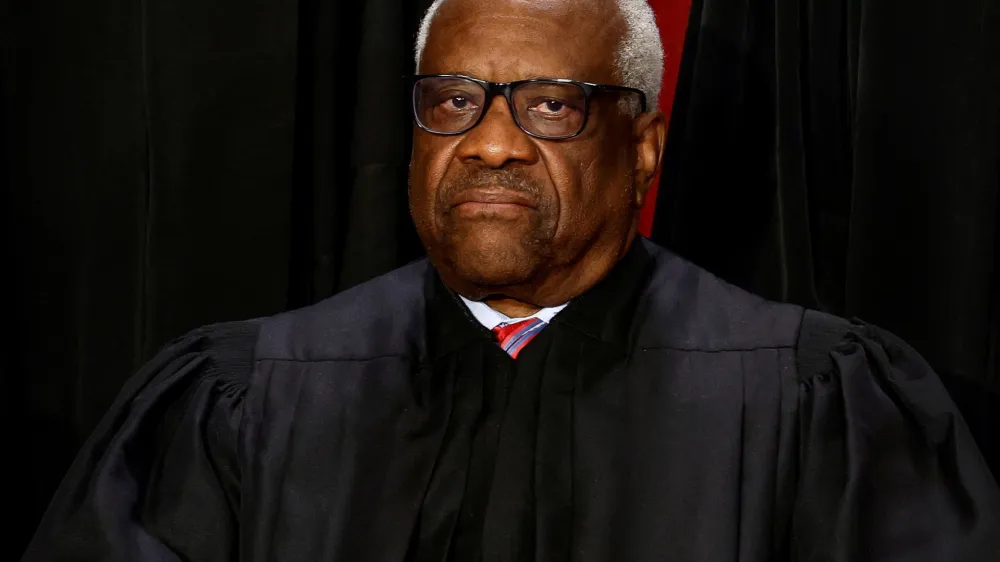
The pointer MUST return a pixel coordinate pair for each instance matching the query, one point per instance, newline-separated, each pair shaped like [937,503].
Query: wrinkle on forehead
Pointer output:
[584,35]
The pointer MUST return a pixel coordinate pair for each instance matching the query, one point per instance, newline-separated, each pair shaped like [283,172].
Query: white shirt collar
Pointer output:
[491,318]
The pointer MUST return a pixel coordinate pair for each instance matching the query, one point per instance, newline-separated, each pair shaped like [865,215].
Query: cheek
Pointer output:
[428,166]
[593,186]
[577,179]
[610,173]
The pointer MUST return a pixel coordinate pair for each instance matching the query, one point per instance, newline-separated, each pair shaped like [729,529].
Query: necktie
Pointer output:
[513,337]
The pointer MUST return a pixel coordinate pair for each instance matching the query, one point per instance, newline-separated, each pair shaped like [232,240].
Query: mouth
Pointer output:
[492,198]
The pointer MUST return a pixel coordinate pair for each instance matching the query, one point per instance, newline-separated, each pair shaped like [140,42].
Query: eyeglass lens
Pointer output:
[451,105]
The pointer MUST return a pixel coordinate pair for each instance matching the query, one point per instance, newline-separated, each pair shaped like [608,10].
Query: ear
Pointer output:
[649,133]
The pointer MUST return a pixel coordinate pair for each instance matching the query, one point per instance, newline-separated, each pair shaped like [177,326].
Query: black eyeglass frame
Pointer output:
[506,89]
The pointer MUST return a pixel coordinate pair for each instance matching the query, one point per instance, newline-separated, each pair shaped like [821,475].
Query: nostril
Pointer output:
[497,143]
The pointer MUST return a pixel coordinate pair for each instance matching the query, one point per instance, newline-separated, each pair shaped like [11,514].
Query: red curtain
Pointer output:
[672,17]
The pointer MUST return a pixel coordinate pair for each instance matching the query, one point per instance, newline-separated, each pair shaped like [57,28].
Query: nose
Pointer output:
[497,142]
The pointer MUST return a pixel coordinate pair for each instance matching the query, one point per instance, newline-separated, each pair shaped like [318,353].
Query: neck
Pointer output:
[511,308]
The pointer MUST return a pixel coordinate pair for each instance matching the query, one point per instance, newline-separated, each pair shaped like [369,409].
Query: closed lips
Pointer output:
[492,196]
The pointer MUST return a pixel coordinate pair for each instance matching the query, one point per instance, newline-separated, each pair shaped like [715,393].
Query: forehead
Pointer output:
[507,40]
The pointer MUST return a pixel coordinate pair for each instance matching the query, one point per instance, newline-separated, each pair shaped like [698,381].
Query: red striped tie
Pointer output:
[513,337]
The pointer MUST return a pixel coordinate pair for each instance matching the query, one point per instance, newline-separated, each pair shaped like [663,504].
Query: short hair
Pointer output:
[638,62]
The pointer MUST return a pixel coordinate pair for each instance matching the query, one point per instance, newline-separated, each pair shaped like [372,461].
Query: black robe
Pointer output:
[664,415]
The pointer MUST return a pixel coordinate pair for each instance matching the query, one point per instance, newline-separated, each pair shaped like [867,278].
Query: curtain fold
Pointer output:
[350,218]
[845,155]
[172,164]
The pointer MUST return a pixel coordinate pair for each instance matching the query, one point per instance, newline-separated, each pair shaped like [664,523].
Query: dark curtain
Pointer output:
[168,164]
[845,155]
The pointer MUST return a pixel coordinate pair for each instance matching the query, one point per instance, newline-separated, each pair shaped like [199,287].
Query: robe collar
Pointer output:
[606,312]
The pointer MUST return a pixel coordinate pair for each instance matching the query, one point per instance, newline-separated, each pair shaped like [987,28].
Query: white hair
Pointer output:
[638,62]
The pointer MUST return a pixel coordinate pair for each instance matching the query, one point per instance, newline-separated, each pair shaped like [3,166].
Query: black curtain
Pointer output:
[845,155]
[170,164]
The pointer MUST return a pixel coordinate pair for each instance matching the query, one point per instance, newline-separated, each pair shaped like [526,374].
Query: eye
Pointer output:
[457,102]
[551,108]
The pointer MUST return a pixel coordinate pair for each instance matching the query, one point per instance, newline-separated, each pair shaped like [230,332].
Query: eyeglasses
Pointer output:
[548,108]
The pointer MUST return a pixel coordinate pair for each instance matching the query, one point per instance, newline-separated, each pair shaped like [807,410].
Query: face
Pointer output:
[501,212]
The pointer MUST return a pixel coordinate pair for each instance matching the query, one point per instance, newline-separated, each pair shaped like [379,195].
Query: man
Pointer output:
[548,386]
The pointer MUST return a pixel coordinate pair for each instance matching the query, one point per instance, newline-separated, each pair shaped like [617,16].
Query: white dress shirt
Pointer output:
[491,318]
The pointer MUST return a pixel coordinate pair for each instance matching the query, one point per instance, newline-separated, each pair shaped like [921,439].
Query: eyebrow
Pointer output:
[543,76]
[462,73]
[528,77]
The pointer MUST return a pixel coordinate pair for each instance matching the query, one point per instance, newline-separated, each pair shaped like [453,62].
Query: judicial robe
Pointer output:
[663,415]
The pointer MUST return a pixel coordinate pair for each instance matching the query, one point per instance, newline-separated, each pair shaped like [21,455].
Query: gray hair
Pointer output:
[638,62]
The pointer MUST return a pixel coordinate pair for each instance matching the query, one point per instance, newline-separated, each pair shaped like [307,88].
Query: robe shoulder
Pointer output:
[160,474]
[888,467]
[383,317]
[885,466]
[687,308]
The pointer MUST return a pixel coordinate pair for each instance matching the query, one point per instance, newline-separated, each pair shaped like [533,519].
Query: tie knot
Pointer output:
[513,337]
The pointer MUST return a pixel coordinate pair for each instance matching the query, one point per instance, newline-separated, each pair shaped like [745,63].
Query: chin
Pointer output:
[492,260]
[490,274]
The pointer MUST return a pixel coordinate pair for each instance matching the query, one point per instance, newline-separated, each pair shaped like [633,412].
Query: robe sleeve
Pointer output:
[158,480]
[888,470]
